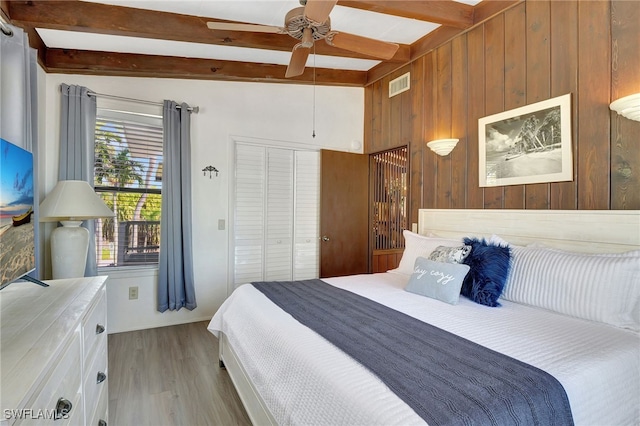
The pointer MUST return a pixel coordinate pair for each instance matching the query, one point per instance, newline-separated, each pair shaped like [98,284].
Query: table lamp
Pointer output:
[71,202]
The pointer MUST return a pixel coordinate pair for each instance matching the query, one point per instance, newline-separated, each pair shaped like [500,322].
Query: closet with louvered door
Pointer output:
[278,215]
[275,214]
[306,254]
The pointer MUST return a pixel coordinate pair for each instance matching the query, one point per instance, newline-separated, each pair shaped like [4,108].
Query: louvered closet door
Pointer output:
[306,215]
[276,214]
[279,215]
[249,233]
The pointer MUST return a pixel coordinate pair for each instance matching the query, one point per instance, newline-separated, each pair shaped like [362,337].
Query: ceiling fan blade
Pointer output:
[319,10]
[236,26]
[298,61]
[364,45]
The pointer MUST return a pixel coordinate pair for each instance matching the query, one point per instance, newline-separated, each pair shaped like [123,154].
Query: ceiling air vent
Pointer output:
[399,85]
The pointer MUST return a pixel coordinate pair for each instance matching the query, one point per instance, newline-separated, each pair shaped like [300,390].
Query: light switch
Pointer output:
[221,224]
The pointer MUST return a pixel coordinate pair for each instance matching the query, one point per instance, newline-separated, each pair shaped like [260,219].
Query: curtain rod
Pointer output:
[6,30]
[140,101]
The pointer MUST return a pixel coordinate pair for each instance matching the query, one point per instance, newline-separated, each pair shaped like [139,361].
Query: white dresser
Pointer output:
[53,359]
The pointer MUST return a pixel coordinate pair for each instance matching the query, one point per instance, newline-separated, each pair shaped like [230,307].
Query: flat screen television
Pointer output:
[17,224]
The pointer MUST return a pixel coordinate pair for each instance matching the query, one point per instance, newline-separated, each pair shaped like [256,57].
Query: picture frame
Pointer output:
[525,145]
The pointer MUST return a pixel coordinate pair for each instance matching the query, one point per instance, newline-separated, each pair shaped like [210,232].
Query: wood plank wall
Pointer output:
[531,52]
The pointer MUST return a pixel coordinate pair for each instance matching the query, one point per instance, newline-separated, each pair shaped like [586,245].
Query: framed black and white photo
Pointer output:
[530,144]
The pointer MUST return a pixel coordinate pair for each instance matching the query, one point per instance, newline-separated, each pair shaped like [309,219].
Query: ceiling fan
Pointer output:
[309,23]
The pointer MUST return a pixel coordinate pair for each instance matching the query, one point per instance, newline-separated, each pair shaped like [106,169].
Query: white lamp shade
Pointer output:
[73,200]
[442,146]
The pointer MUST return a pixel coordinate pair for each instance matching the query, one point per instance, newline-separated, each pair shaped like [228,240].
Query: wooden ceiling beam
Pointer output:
[74,15]
[444,12]
[125,21]
[68,61]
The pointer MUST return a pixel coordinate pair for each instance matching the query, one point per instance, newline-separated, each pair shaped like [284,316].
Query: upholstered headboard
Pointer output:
[589,231]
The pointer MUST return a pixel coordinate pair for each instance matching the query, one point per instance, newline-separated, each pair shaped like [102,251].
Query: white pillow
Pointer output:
[415,246]
[596,287]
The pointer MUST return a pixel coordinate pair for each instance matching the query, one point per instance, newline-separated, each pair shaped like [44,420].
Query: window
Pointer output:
[128,177]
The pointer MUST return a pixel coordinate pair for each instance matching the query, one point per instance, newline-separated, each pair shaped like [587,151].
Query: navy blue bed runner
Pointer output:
[444,378]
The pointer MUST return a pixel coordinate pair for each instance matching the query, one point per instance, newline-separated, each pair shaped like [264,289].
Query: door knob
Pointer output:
[325,238]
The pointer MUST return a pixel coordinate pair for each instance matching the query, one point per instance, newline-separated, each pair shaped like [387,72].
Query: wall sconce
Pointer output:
[629,106]
[442,146]
[210,169]
[355,146]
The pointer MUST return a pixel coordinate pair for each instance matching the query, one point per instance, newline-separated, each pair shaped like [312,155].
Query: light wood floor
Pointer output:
[170,376]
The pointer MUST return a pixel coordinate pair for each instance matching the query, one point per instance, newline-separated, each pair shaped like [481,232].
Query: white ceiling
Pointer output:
[268,12]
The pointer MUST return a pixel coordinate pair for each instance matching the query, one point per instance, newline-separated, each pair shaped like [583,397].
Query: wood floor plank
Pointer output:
[170,376]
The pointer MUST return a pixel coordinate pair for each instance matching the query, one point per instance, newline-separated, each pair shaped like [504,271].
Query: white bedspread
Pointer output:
[303,379]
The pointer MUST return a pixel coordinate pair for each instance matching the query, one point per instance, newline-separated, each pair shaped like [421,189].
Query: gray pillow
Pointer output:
[450,254]
[437,280]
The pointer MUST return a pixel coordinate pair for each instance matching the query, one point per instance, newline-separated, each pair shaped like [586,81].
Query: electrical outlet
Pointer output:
[221,224]
[133,293]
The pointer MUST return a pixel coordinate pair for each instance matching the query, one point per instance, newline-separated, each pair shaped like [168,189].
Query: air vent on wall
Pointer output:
[399,85]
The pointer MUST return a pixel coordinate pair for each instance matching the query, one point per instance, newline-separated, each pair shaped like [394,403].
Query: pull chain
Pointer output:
[313,134]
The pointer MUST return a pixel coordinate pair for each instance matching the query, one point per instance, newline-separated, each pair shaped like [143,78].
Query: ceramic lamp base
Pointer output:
[69,246]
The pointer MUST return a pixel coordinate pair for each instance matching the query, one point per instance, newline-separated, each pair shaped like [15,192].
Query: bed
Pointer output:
[584,333]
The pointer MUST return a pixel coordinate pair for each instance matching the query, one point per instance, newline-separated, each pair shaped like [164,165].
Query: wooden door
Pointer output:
[344,213]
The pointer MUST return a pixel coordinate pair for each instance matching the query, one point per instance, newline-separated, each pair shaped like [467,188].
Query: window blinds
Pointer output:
[128,177]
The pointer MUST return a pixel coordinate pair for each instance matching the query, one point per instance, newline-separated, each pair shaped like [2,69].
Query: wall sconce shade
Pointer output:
[629,106]
[71,202]
[442,146]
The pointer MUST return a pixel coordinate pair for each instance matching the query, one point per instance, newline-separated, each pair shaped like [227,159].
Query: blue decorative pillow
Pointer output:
[489,268]
[437,280]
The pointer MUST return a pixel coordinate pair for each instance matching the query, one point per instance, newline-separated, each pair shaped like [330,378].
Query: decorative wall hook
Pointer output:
[210,169]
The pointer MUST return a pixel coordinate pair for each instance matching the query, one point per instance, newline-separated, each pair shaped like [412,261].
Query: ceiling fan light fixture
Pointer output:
[307,38]
[295,24]
[310,23]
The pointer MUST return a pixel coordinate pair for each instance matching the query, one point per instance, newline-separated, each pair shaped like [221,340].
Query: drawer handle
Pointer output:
[101,377]
[63,408]
[102,423]
[100,329]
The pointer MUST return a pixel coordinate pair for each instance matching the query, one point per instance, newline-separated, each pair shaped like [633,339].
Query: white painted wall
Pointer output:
[259,111]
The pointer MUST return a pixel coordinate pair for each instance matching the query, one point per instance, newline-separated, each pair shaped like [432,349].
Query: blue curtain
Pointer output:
[77,149]
[19,105]
[175,268]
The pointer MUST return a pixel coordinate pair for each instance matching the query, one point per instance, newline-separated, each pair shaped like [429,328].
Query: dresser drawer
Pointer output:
[101,414]
[95,379]
[64,382]
[95,325]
